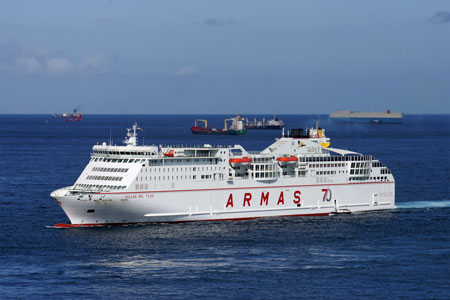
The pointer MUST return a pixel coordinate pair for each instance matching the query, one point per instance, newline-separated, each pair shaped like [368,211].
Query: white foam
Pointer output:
[423,204]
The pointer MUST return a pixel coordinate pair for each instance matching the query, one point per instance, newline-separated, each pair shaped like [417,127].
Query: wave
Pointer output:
[424,204]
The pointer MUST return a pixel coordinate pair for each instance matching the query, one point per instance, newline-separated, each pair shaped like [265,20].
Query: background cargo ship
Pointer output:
[274,123]
[236,128]
[72,117]
[348,116]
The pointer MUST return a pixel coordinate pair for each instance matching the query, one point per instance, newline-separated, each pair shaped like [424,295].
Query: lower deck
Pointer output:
[227,202]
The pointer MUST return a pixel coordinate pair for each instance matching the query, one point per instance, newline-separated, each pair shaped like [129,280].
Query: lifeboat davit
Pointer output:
[240,161]
[287,160]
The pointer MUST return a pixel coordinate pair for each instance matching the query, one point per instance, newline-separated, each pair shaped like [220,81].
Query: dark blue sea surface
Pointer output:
[403,253]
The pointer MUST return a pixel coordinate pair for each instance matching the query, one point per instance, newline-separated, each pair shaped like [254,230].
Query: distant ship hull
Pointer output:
[226,202]
[75,116]
[273,124]
[369,120]
[237,127]
[219,132]
[59,116]
[270,127]
[367,117]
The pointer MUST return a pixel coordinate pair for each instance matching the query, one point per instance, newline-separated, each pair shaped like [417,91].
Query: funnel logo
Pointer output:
[326,195]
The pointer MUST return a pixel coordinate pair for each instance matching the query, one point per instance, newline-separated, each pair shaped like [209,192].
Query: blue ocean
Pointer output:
[403,253]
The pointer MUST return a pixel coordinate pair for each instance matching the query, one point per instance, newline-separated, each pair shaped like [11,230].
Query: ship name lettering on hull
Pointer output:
[264,199]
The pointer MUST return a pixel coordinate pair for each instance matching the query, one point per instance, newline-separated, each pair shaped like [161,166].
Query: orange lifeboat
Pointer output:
[287,160]
[240,161]
[170,153]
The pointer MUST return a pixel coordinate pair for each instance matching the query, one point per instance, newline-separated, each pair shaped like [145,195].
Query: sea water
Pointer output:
[402,253]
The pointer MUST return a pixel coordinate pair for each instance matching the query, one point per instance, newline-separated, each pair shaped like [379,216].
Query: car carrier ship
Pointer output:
[297,175]
[348,116]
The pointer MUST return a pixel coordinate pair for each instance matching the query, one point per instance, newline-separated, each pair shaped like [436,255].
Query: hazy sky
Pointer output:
[251,56]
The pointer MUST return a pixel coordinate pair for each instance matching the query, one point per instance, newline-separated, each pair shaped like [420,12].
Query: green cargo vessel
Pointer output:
[236,128]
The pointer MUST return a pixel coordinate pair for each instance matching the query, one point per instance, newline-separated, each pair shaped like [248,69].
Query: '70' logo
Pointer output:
[326,195]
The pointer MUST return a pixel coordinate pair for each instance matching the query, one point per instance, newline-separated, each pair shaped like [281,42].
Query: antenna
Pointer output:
[143,138]
[110,135]
[317,129]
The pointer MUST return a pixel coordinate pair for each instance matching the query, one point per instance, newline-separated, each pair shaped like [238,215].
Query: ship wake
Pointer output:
[424,204]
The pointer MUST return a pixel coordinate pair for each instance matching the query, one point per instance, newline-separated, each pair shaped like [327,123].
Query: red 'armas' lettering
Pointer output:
[230,201]
[281,199]
[297,197]
[247,198]
[264,198]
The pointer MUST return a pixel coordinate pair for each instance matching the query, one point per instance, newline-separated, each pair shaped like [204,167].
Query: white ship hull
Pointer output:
[215,203]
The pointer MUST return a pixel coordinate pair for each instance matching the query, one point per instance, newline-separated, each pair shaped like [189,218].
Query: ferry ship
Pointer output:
[299,174]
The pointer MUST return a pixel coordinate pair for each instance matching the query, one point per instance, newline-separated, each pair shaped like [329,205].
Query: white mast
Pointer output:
[131,139]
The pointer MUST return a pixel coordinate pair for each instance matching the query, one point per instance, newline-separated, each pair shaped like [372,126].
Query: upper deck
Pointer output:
[114,167]
[296,143]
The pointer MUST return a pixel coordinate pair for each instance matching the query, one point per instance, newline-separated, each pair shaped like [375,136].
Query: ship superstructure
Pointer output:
[299,174]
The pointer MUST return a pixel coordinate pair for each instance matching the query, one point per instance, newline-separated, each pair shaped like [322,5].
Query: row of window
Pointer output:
[174,162]
[270,167]
[108,178]
[181,169]
[358,179]
[114,160]
[99,187]
[267,175]
[339,165]
[122,153]
[324,180]
[210,176]
[385,171]
[377,164]
[262,159]
[359,171]
[358,165]
[185,177]
[336,158]
[141,186]
[325,172]
[380,178]
[121,170]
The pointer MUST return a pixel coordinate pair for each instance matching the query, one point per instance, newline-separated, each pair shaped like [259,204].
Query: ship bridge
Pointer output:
[110,151]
